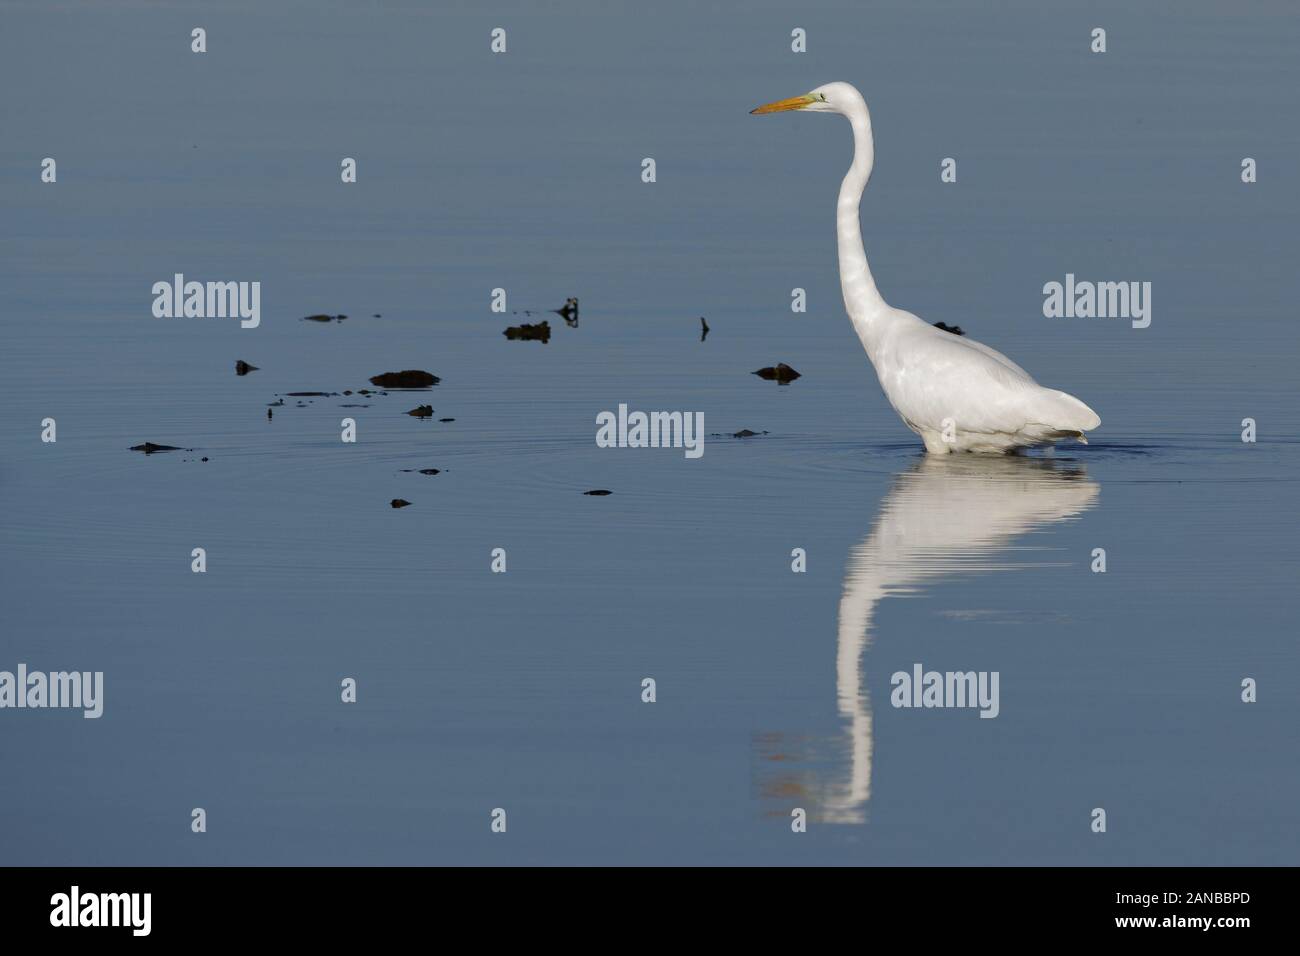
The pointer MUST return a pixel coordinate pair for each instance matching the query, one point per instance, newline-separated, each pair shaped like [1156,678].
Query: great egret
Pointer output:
[956,393]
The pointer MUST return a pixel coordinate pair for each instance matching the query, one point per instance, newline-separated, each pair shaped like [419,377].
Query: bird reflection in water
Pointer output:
[946,515]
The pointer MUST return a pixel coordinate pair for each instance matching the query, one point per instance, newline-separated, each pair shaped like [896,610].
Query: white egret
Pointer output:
[957,394]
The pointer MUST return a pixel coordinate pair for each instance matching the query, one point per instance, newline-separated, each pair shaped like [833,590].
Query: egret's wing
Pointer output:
[943,376]
[991,353]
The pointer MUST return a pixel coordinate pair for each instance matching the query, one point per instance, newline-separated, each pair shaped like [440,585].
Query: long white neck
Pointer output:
[861,298]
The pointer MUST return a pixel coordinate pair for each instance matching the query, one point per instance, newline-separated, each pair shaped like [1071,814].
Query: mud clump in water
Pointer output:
[780,373]
[411,378]
[541,332]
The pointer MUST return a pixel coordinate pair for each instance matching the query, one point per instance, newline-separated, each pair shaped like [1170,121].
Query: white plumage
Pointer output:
[956,393]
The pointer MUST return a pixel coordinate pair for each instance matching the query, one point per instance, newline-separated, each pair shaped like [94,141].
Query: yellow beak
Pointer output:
[780,106]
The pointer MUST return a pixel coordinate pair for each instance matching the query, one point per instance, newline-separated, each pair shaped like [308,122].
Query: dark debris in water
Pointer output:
[446,419]
[746,433]
[243,368]
[411,378]
[945,327]
[423,471]
[323,318]
[149,448]
[311,394]
[569,312]
[541,332]
[599,492]
[421,411]
[780,372]
[399,503]
[704,329]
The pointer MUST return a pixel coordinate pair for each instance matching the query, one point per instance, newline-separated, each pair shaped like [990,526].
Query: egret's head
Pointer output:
[831,98]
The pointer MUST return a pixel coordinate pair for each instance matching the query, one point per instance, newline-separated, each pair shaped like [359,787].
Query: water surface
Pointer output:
[523,690]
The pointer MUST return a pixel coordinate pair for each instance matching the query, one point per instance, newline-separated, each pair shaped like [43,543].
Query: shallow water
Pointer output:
[522,690]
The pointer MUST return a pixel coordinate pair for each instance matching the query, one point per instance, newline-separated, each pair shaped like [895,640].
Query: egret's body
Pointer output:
[957,394]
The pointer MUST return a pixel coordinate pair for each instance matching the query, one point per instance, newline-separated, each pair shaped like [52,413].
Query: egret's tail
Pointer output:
[1067,414]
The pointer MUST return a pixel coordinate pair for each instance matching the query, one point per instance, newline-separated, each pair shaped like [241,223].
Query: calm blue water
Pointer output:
[523,690]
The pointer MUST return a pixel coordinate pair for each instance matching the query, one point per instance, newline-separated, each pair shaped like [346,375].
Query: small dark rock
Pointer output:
[423,411]
[411,378]
[781,373]
[954,329]
[243,368]
[399,502]
[541,332]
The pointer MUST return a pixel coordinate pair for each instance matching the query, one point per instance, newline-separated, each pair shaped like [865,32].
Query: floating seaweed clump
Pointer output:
[411,378]
[541,332]
[780,373]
